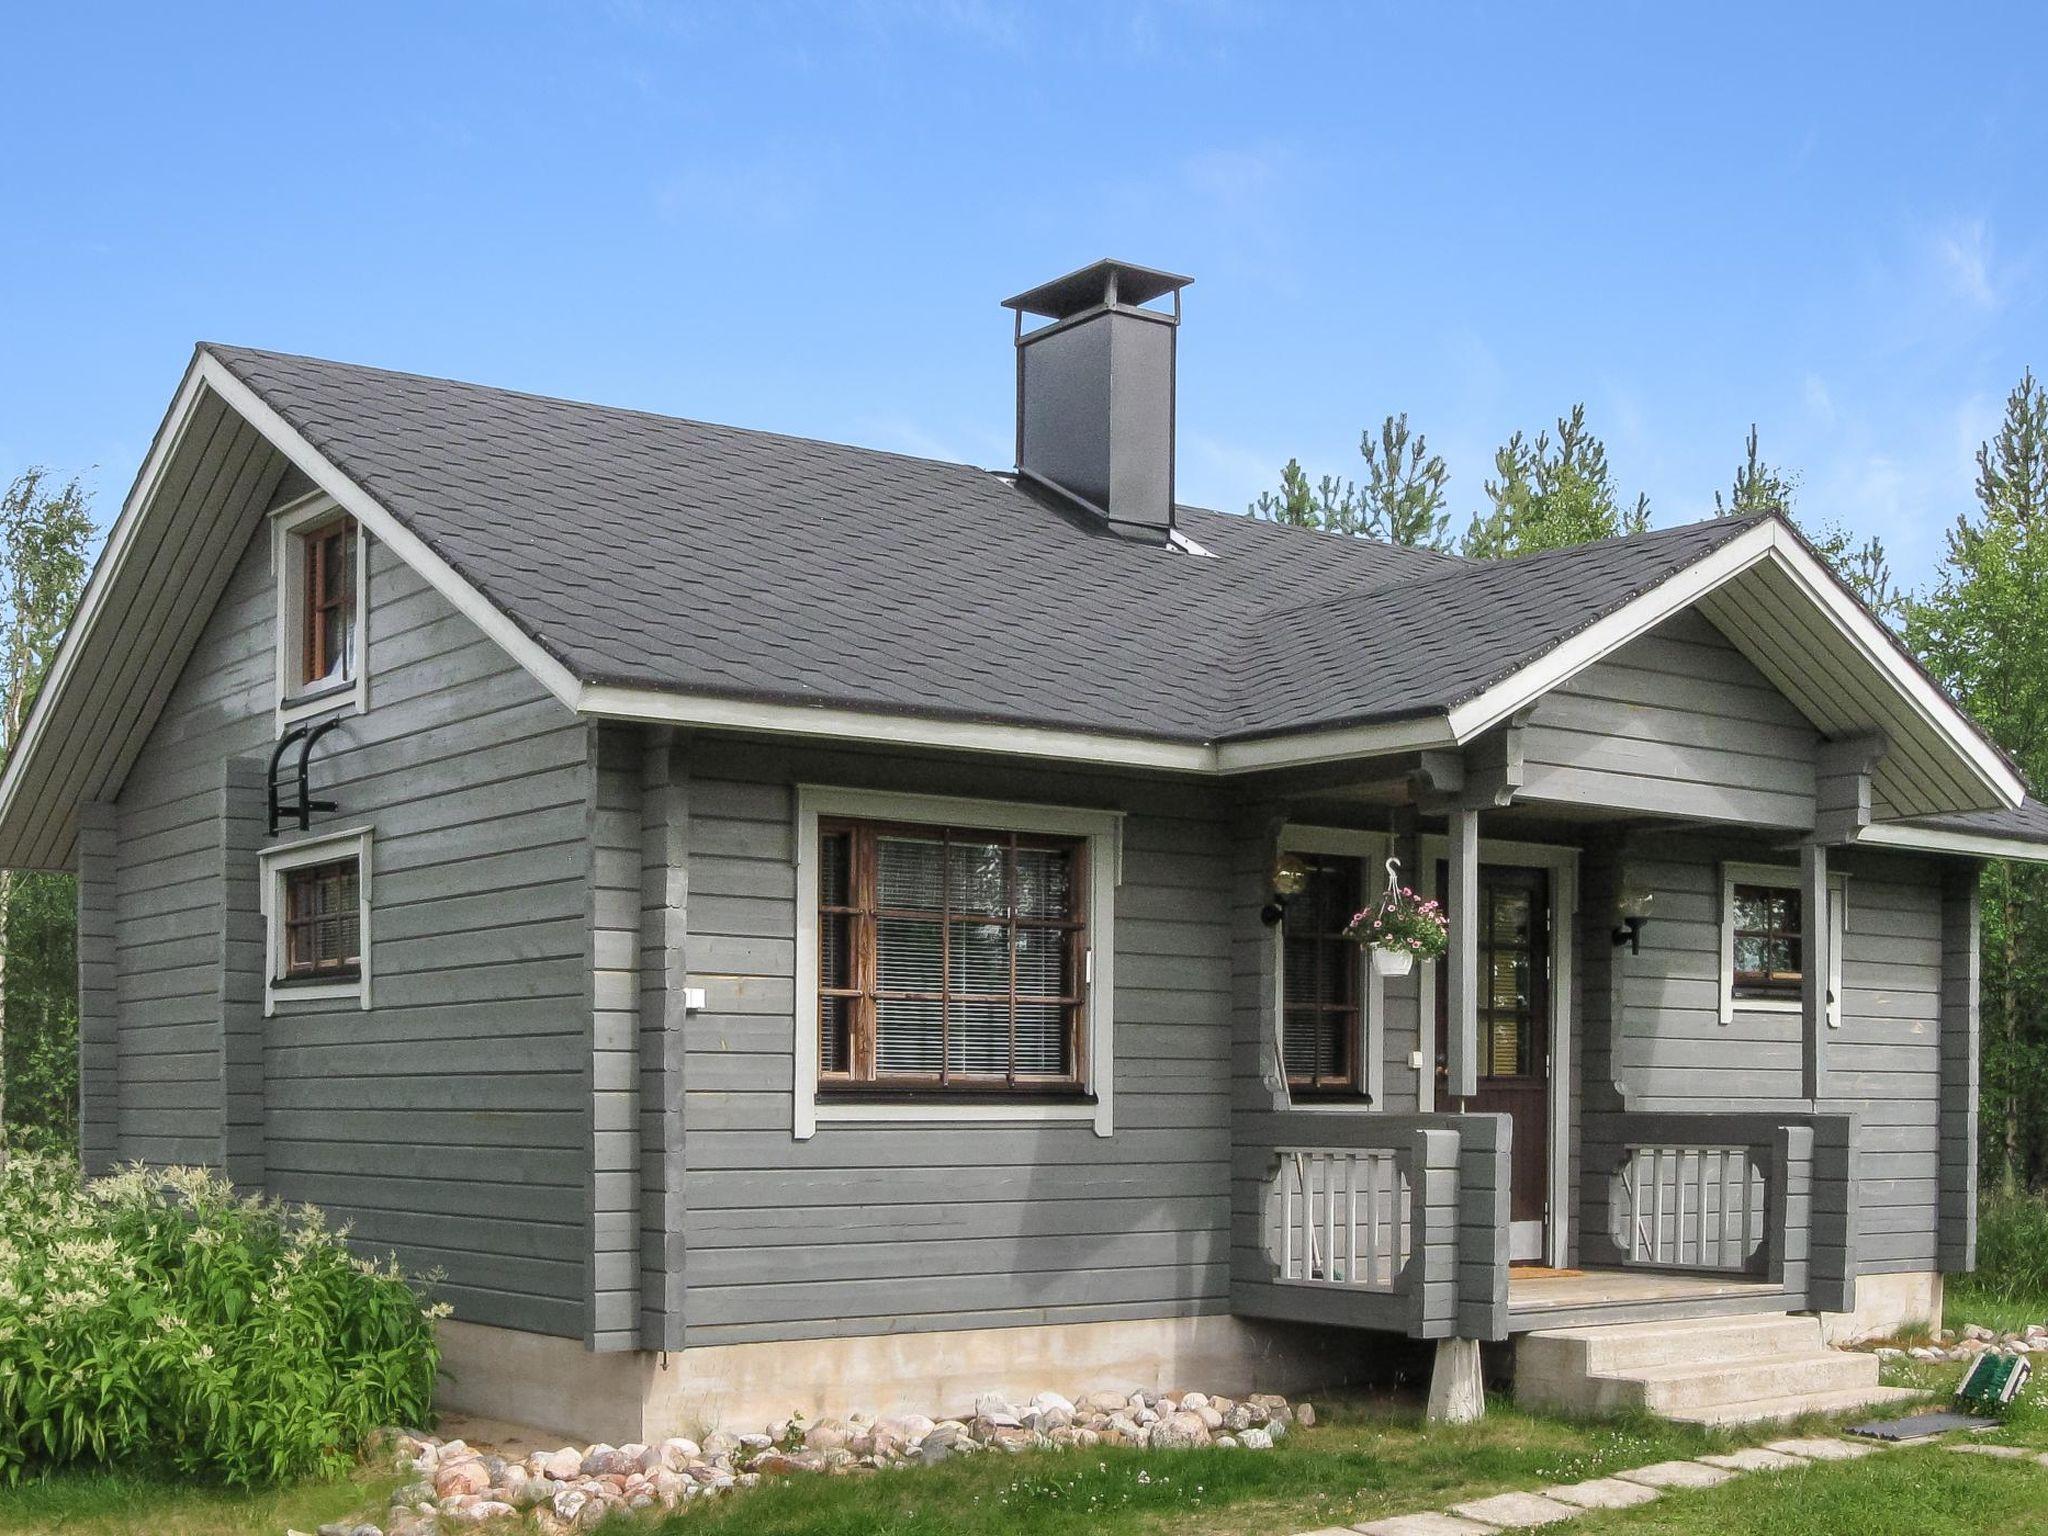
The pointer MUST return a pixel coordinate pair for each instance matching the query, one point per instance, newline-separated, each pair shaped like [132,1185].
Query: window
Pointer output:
[323,931]
[1319,977]
[1768,946]
[953,961]
[1764,931]
[949,958]
[319,558]
[316,909]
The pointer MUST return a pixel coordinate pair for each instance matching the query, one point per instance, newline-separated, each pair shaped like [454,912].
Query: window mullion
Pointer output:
[945,956]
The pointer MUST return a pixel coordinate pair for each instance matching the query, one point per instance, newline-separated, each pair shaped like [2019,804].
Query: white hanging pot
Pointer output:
[1393,962]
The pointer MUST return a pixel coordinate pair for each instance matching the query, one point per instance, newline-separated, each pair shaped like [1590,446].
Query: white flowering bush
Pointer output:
[156,1317]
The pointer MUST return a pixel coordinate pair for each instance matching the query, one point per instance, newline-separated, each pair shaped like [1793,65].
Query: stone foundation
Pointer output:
[1885,1304]
[558,1385]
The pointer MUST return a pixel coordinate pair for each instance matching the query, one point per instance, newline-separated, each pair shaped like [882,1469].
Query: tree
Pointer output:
[1983,631]
[1550,495]
[1864,568]
[1401,501]
[44,535]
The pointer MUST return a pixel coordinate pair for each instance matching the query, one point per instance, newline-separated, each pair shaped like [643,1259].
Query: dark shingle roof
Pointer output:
[674,555]
[2026,822]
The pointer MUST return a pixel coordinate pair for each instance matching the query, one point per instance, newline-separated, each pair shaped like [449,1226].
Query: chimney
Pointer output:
[1095,392]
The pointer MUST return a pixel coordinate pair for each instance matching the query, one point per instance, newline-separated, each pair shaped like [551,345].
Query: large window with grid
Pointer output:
[1320,977]
[950,958]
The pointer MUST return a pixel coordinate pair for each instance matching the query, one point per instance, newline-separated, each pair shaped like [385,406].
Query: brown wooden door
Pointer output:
[1514,1034]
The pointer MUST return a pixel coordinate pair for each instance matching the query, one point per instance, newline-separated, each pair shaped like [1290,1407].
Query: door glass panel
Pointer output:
[1507,1024]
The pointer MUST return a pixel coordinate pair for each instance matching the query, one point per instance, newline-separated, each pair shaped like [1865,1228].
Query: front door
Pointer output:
[1514,1036]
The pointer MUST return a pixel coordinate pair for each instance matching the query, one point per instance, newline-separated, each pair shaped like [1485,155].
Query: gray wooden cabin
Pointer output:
[772,921]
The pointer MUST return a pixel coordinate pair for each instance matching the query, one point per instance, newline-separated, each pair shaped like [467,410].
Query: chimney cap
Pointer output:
[1095,285]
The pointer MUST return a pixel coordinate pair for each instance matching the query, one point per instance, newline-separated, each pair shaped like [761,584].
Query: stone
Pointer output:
[569,1504]
[996,1408]
[1209,1416]
[1457,1394]
[941,1443]
[1194,1402]
[828,1435]
[1305,1415]
[1516,1510]
[1239,1417]
[1603,1493]
[1677,1474]
[1753,1458]
[1424,1525]
[1179,1431]
[2001,1452]
[677,1451]
[1820,1448]
[1103,1402]
[1254,1439]
[462,1477]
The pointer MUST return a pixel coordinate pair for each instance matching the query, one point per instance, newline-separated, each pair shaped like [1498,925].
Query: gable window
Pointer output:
[1320,977]
[316,910]
[953,959]
[1764,940]
[320,561]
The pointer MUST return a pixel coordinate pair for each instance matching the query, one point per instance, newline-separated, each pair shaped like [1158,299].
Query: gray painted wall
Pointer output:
[444,1121]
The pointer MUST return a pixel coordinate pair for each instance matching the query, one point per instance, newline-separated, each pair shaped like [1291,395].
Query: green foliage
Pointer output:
[1400,502]
[1550,495]
[1983,631]
[2012,1249]
[1865,568]
[41,1060]
[154,1317]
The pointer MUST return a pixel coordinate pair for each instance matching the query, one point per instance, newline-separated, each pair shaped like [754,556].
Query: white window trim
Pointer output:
[286,523]
[1372,849]
[1104,832]
[1781,877]
[272,865]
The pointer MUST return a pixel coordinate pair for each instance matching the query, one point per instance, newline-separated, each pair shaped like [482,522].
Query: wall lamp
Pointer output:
[1631,912]
[1289,878]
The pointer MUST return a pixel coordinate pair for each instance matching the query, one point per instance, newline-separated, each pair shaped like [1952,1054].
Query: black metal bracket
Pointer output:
[304,737]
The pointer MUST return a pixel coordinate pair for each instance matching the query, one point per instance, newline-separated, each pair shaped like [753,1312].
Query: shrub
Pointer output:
[155,1317]
[2012,1247]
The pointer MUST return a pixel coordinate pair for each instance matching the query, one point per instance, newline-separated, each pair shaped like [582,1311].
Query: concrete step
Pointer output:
[1626,1347]
[1669,1389]
[1772,1410]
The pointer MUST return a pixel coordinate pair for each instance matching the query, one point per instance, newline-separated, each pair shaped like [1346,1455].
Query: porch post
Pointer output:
[1815,968]
[1461,1029]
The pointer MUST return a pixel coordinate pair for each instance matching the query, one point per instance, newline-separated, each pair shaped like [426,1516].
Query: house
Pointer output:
[781,924]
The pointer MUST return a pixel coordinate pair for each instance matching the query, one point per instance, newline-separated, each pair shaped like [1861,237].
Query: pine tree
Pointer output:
[1983,631]
[1550,495]
[1401,501]
[1864,568]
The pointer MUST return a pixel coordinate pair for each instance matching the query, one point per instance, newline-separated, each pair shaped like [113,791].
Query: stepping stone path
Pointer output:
[2002,1452]
[1624,1490]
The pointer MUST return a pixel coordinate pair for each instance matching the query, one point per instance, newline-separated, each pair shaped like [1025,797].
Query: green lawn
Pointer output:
[1365,1458]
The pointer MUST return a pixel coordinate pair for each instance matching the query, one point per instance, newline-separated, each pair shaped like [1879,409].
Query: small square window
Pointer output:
[316,909]
[1767,937]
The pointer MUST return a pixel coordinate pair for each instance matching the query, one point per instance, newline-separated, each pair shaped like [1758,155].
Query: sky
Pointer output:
[1826,220]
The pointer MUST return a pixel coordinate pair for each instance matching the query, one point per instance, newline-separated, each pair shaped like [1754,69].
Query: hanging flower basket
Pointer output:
[1400,928]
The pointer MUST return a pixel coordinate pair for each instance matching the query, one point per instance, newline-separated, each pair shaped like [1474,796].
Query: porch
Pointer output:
[1398,1222]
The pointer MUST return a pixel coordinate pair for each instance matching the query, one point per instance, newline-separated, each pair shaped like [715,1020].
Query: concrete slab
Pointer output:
[1821,1448]
[1753,1458]
[2002,1452]
[1424,1525]
[1516,1511]
[1677,1474]
[1603,1493]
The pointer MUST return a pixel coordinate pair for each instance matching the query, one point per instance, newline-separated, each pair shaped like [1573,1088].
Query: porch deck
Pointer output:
[1571,1298]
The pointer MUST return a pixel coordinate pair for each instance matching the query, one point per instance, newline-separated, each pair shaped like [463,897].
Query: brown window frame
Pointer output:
[862,916]
[1345,1013]
[326,585]
[296,882]
[1767,983]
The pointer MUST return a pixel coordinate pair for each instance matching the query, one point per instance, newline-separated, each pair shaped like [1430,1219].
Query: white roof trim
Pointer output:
[1769,540]
[1894,834]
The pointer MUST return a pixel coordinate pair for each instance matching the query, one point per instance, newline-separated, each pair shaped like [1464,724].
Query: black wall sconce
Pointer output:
[1631,912]
[1289,878]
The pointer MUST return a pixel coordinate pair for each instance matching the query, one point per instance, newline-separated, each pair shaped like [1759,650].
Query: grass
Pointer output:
[130,1504]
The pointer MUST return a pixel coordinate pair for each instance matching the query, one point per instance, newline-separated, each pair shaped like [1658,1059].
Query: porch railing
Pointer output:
[1692,1207]
[1767,1195]
[1391,1221]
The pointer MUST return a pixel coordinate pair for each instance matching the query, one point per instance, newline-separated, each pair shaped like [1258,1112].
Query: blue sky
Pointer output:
[1830,221]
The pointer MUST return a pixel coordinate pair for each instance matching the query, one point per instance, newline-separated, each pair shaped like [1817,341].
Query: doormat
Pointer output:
[1920,1424]
[1538,1272]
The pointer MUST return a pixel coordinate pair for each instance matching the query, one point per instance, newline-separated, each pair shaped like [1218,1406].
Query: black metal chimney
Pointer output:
[1095,392]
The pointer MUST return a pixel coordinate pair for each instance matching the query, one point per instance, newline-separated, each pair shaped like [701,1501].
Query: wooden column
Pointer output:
[1461,991]
[1815,968]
